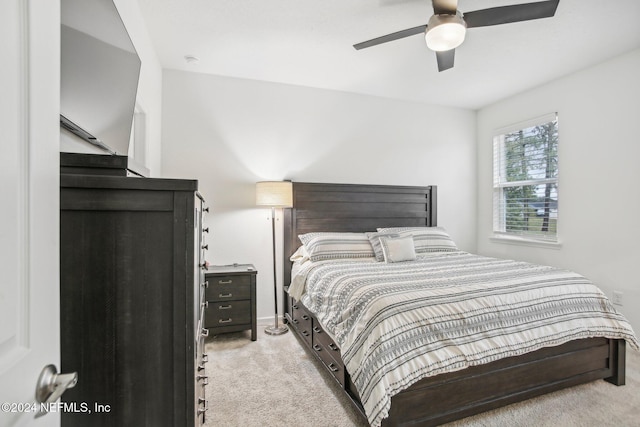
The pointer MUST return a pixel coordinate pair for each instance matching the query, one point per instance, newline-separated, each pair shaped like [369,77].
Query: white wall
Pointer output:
[149,95]
[230,133]
[598,112]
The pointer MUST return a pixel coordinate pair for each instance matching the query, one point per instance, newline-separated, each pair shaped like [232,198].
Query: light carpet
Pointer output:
[274,381]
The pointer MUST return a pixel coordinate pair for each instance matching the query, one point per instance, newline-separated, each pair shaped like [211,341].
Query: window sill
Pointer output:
[512,240]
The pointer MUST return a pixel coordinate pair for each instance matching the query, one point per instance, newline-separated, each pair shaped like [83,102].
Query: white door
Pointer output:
[29,204]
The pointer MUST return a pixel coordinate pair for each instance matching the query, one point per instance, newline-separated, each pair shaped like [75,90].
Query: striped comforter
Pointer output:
[398,323]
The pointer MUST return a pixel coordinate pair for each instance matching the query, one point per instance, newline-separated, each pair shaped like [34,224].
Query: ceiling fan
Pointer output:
[447,26]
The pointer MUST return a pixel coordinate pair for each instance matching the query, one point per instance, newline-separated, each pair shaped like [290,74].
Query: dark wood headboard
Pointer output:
[355,208]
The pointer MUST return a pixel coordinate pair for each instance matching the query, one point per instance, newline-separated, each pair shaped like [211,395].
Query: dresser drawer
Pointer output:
[328,351]
[335,367]
[302,322]
[226,288]
[322,338]
[227,313]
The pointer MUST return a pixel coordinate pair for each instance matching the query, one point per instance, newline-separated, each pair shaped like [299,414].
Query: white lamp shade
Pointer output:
[277,194]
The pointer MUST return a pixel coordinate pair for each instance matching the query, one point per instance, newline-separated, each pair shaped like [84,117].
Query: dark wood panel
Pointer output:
[117,182]
[88,199]
[359,225]
[95,326]
[314,197]
[184,289]
[94,171]
[501,381]
[128,286]
[81,160]
[374,210]
[115,298]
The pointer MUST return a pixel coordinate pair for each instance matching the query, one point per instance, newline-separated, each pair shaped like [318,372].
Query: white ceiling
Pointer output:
[309,43]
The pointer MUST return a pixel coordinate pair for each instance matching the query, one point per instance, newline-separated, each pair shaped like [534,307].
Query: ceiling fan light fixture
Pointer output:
[445,32]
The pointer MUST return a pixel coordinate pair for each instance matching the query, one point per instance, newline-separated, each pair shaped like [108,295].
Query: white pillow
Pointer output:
[301,255]
[398,249]
[328,245]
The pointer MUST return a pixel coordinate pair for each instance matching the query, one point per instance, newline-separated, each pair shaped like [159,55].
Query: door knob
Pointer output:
[51,384]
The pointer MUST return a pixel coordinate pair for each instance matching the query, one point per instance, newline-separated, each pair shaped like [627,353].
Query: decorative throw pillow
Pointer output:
[327,245]
[426,239]
[374,238]
[398,249]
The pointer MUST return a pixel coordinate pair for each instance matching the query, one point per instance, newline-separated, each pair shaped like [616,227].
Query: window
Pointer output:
[525,180]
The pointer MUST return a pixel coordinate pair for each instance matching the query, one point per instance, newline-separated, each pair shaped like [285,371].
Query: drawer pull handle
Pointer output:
[317,347]
[201,367]
[305,317]
[333,368]
[204,378]
[333,347]
[205,304]
[296,321]
[205,284]
[206,209]
[205,230]
[305,333]
[205,247]
[295,306]
[224,307]
[205,357]
[229,295]
[205,405]
[225,320]
[225,282]
[205,332]
[317,330]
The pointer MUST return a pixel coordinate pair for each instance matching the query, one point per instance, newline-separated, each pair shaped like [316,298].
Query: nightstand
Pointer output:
[230,299]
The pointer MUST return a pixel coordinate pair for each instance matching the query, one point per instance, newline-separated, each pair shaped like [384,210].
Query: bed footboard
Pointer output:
[448,397]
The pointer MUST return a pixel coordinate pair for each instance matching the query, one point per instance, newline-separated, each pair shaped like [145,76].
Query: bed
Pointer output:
[434,399]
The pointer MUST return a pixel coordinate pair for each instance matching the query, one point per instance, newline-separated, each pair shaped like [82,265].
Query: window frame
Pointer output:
[500,231]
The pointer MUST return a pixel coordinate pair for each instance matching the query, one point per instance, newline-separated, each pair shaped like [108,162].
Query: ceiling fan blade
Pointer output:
[513,13]
[391,37]
[445,7]
[445,59]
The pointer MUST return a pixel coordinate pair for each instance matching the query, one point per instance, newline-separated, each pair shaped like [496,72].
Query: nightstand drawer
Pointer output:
[225,288]
[227,313]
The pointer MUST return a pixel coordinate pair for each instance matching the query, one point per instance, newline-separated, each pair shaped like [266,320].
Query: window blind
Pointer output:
[525,179]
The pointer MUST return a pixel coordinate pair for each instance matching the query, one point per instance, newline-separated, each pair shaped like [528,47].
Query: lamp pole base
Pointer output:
[276,330]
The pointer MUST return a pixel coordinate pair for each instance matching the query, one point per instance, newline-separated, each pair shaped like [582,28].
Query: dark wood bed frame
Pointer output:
[443,398]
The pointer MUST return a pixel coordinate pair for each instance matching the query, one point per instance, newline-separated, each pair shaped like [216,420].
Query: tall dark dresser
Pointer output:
[131,298]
